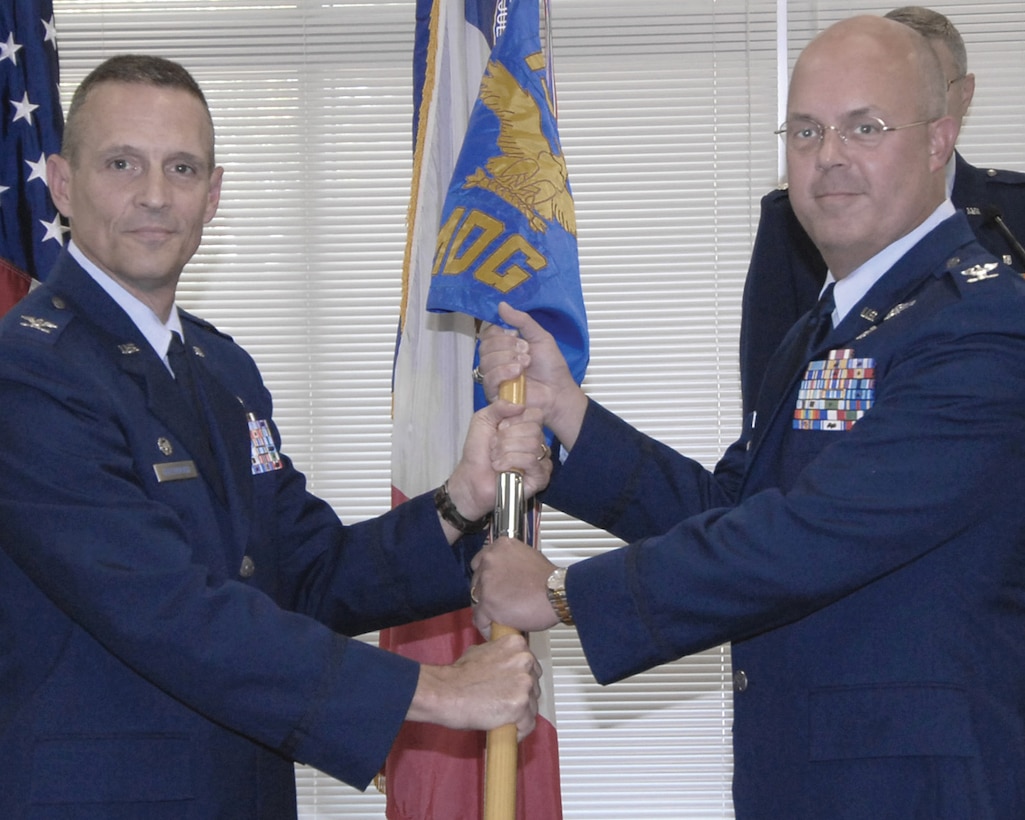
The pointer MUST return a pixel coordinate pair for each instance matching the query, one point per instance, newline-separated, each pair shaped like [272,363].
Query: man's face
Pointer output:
[855,200]
[142,186]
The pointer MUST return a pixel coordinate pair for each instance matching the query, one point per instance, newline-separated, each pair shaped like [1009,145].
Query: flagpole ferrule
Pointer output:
[509,518]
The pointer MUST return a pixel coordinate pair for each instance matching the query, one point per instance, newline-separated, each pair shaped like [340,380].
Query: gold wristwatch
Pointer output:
[556,588]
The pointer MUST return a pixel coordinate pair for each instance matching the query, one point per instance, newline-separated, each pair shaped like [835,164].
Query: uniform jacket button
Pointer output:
[740,681]
[248,567]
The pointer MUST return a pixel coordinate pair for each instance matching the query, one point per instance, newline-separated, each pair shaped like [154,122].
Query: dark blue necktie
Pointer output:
[821,320]
[184,375]
[178,358]
[791,359]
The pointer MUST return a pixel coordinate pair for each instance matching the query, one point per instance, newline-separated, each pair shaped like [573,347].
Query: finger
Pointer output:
[511,316]
[537,477]
[497,372]
[523,452]
[522,321]
[482,622]
[526,728]
[503,410]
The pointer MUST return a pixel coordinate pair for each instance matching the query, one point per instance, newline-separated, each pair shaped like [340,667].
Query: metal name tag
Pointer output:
[175,471]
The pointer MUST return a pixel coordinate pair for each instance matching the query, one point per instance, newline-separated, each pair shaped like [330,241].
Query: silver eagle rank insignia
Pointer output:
[34,322]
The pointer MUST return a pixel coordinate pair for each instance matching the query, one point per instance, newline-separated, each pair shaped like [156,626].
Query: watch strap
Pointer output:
[444,505]
[556,590]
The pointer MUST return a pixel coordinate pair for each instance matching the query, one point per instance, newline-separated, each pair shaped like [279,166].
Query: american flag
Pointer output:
[31,125]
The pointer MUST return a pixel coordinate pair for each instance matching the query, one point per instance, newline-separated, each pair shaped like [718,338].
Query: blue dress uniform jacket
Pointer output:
[172,626]
[871,579]
[787,271]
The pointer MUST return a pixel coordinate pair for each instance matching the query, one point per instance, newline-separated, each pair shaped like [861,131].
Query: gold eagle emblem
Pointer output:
[527,173]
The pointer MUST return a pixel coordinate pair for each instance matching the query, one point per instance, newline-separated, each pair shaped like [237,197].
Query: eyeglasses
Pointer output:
[857,132]
[955,80]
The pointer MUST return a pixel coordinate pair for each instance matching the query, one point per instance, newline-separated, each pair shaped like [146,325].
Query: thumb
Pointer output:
[522,321]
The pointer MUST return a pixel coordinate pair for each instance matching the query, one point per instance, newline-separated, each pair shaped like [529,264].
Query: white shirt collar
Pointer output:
[951,170]
[852,288]
[155,332]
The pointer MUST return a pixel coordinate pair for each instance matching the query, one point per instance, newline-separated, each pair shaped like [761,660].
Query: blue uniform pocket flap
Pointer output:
[79,769]
[890,720]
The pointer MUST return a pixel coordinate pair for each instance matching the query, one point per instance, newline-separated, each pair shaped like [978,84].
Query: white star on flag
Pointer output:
[30,92]
[38,169]
[54,229]
[9,50]
[51,30]
[24,109]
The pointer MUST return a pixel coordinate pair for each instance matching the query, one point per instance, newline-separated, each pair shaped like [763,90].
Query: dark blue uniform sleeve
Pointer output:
[147,572]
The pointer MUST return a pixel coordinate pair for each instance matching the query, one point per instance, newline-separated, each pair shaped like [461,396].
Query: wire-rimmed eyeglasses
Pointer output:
[803,134]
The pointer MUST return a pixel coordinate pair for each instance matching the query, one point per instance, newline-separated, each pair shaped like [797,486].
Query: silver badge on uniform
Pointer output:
[34,322]
[978,273]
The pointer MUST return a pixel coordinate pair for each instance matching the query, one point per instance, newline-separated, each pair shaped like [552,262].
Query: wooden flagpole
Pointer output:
[510,520]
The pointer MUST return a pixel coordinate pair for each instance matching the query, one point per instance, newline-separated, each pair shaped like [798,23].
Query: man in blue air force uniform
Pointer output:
[861,544]
[787,271]
[173,602]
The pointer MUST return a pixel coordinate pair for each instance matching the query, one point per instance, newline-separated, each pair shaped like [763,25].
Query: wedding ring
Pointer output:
[545,452]
[473,595]
[477,376]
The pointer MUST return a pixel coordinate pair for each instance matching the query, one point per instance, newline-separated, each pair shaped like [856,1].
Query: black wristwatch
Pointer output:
[443,504]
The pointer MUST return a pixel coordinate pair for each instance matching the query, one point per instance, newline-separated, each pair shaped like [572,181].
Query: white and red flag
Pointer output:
[470,53]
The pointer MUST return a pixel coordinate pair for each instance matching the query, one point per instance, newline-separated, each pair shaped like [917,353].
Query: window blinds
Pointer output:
[666,115]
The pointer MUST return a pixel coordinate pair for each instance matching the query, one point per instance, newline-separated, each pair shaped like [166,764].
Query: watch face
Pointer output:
[556,579]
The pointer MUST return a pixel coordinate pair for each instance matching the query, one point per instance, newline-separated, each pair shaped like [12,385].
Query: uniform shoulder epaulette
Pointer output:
[41,317]
[777,195]
[970,269]
[1005,176]
[203,323]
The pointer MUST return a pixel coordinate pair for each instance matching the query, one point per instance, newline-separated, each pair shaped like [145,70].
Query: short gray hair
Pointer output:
[934,26]
[141,69]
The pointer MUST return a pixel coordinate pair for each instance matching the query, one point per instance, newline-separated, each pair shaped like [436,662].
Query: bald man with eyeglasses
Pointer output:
[860,545]
[787,272]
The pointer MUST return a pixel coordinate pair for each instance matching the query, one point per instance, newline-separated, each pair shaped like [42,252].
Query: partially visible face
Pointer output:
[854,201]
[143,185]
[960,88]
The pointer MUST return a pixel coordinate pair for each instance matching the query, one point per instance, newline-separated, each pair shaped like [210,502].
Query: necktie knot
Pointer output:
[827,304]
[185,376]
[178,358]
[176,354]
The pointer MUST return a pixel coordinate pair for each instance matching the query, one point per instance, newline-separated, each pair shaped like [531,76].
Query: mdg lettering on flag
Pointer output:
[508,229]
[503,232]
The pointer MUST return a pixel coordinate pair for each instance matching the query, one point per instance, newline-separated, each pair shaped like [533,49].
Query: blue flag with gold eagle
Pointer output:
[508,227]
